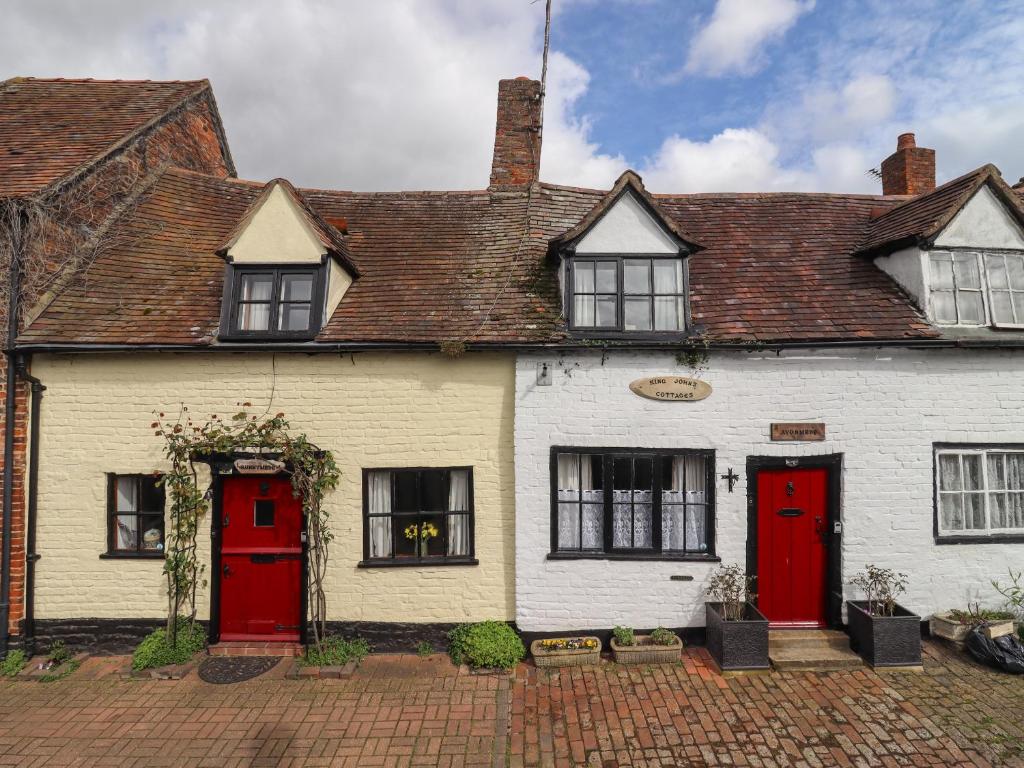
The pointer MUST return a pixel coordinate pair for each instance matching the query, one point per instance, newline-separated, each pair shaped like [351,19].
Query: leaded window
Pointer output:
[622,501]
[628,294]
[979,492]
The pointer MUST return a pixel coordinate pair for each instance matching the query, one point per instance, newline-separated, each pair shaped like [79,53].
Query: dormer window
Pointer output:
[279,302]
[977,288]
[627,293]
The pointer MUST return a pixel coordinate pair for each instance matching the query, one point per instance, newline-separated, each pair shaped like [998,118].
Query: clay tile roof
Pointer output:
[470,266]
[629,180]
[328,235]
[49,128]
[922,218]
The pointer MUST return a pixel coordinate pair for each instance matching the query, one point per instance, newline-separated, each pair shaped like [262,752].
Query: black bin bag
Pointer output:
[1005,653]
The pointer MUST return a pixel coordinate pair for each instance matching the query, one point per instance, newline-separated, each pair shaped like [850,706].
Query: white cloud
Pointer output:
[734,37]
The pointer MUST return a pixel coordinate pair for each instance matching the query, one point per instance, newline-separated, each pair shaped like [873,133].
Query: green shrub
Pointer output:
[58,652]
[624,636]
[336,651]
[424,648]
[492,644]
[13,664]
[154,650]
[662,636]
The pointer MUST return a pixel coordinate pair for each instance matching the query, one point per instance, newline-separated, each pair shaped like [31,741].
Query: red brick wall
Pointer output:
[187,139]
[910,170]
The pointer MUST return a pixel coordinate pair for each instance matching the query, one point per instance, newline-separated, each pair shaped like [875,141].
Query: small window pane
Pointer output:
[942,272]
[1015,270]
[126,535]
[949,472]
[996,268]
[951,510]
[254,317]
[294,317]
[151,533]
[257,287]
[296,288]
[1002,307]
[668,276]
[606,306]
[965,269]
[1014,471]
[1018,305]
[944,307]
[263,513]
[607,277]
[972,307]
[637,315]
[405,492]
[583,277]
[583,311]
[434,490]
[996,471]
[636,276]
[668,313]
[127,494]
[974,511]
[972,472]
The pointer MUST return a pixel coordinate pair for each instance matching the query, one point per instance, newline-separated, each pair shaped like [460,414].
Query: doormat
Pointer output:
[221,670]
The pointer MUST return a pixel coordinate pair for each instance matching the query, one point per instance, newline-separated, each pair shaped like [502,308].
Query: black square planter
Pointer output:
[885,641]
[737,645]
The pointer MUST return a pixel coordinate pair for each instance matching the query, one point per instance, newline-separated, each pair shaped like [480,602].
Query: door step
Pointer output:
[811,650]
[239,648]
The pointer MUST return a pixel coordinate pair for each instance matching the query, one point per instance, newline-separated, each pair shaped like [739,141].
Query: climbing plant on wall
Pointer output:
[187,443]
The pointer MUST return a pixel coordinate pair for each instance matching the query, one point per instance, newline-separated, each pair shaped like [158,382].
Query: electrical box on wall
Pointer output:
[543,374]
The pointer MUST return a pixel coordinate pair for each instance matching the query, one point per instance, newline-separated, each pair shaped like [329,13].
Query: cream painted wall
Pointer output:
[277,234]
[372,410]
[983,223]
[338,282]
[627,227]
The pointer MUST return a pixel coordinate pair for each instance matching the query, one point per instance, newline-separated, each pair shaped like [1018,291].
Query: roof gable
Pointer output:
[984,222]
[626,219]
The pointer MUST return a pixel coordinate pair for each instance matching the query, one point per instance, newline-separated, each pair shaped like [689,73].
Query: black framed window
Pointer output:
[979,493]
[282,302]
[627,294]
[632,502]
[421,515]
[135,515]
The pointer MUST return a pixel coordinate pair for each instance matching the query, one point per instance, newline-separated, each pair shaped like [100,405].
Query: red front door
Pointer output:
[260,560]
[791,549]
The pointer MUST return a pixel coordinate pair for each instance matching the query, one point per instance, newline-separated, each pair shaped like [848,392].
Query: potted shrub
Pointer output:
[737,633]
[956,624]
[566,651]
[660,647]
[883,632]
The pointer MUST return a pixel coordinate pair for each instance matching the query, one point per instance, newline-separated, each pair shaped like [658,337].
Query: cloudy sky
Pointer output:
[697,95]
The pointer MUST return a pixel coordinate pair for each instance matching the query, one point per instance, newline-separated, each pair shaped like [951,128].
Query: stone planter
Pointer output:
[565,657]
[994,629]
[645,652]
[885,641]
[737,645]
[945,626]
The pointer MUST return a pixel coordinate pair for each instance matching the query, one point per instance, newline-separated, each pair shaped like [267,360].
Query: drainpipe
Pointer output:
[9,415]
[31,556]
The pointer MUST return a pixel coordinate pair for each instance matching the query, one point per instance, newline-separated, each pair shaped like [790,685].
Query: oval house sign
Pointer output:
[672,388]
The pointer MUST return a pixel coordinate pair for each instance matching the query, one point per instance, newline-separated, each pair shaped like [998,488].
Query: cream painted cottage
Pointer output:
[592,398]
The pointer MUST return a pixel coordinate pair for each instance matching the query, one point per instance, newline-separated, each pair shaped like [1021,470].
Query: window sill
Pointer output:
[132,556]
[417,563]
[997,538]
[691,558]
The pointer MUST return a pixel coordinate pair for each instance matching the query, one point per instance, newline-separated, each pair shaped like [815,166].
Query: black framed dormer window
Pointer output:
[274,302]
[135,516]
[627,294]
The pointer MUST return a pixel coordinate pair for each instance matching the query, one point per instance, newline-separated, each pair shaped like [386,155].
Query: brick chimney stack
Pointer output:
[516,160]
[910,170]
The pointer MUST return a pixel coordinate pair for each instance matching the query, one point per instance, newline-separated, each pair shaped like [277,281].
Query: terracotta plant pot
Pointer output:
[645,652]
[885,641]
[737,645]
[565,657]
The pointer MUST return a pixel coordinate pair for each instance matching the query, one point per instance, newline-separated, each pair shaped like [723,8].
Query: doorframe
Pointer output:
[833,464]
[225,468]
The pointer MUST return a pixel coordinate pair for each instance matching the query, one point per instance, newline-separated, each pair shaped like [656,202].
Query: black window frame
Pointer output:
[618,330]
[113,551]
[655,552]
[232,297]
[969,538]
[396,561]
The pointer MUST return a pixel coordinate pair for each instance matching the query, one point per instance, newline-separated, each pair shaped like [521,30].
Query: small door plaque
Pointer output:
[798,432]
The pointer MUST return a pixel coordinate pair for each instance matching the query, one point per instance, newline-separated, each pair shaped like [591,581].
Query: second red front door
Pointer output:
[261,560]
[791,546]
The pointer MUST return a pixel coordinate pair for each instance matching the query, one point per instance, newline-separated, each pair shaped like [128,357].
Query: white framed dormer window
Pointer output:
[979,493]
[977,288]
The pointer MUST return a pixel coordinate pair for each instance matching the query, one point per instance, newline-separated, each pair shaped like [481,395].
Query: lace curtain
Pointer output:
[580,505]
[458,525]
[379,503]
[632,512]
[683,507]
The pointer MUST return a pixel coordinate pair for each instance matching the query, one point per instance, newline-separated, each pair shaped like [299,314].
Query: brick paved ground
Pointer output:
[406,711]
[953,713]
[396,711]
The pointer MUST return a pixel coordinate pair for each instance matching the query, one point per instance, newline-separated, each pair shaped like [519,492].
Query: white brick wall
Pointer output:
[883,409]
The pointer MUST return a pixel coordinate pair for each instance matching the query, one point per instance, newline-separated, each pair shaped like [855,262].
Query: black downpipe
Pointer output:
[31,556]
[9,418]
